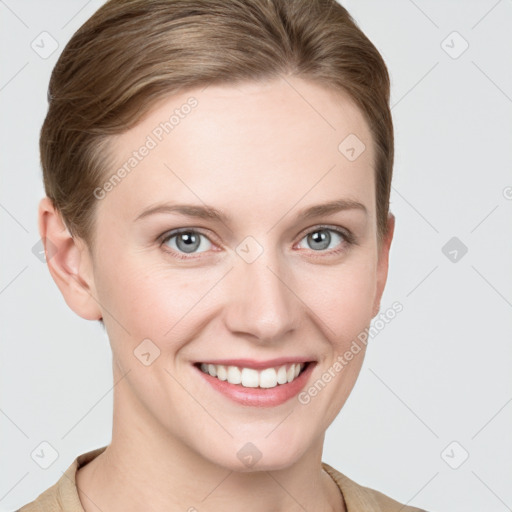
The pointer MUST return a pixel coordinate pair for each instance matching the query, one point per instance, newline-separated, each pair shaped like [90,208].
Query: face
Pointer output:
[213,248]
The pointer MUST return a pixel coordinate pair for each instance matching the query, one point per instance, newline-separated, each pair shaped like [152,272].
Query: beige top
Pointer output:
[63,495]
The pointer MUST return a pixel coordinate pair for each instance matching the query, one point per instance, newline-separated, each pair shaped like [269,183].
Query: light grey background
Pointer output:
[438,373]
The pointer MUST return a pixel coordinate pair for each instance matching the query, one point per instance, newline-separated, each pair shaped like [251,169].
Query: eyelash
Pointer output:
[348,240]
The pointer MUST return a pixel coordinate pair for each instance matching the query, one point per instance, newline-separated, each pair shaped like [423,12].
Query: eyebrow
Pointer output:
[211,213]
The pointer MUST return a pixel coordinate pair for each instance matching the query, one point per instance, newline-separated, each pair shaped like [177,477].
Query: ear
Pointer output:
[69,262]
[382,264]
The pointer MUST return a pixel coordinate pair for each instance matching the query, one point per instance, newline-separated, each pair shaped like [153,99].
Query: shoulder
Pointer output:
[360,498]
[63,495]
[48,501]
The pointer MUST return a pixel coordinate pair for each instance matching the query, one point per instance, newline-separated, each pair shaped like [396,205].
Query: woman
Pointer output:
[217,176]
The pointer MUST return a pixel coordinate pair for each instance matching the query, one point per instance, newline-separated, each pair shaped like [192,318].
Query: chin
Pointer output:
[258,455]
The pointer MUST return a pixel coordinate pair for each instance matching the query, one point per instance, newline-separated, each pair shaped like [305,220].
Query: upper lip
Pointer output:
[252,363]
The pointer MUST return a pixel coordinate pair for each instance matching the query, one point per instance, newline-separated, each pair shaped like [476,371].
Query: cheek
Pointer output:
[343,298]
[166,304]
[154,301]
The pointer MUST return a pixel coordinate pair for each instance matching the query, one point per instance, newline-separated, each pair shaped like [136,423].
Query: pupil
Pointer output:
[323,238]
[187,242]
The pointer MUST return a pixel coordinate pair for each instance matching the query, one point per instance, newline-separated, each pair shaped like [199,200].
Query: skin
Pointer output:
[260,153]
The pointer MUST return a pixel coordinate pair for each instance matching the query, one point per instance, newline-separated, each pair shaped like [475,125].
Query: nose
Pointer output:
[261,299]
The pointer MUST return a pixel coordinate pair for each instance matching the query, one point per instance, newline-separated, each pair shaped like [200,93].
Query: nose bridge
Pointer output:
[262,303]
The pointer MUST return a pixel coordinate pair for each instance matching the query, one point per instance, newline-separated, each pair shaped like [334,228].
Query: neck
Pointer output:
[146,467]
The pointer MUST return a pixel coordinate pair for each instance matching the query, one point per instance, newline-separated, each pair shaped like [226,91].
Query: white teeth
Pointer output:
[234,375]
[281,375]
[251,378]
[268,378]
[222,373]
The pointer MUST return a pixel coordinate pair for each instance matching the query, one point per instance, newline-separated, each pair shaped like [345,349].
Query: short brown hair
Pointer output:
[131,53]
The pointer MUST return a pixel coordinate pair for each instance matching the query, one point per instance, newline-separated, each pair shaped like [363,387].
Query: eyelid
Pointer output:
[348,236]
[173,232]
[165,237]
[344,232]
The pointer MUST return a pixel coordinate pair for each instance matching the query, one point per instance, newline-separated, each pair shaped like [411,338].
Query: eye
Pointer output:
[186,241]
[323,237]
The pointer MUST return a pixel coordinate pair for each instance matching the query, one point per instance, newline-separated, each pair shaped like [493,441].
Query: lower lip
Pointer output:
[260,397]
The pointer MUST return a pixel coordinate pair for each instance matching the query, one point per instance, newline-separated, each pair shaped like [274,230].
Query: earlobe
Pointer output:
[68,262]
[383,263]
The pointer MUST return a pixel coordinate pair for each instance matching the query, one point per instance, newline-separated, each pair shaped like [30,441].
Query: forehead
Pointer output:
[272,141]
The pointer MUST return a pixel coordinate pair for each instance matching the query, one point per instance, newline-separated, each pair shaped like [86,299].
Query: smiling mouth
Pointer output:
[266,378]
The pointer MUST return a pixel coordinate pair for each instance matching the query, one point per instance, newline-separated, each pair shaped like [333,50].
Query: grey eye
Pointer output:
[187,242]
[320,239]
